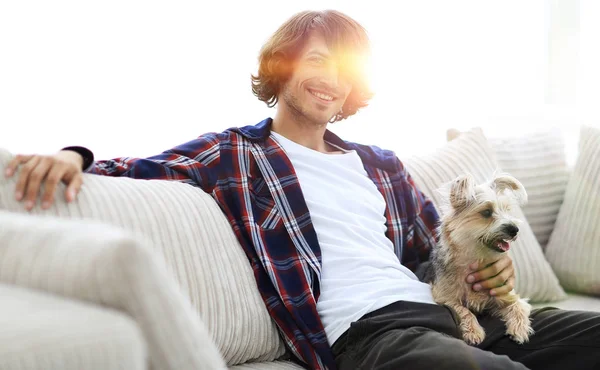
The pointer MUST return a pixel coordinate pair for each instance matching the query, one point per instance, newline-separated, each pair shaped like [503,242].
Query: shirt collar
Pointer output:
[372,155]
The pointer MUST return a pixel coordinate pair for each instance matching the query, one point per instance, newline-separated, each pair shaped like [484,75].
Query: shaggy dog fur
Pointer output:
[476,226]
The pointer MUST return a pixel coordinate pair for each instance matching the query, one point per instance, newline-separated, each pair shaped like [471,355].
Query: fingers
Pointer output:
[38,170]
[35,173]
[505,289]
[11,168]
[491,270]
[52,179]
[493,282]
[74,187]
[497,278]
[23,179]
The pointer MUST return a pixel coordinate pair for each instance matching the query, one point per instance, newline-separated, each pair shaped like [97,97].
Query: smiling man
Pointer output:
[333,230]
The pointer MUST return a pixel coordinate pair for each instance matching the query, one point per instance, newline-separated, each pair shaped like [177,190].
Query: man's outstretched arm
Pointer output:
[195,162]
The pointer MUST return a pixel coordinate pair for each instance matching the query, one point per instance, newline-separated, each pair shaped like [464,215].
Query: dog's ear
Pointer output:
[505,181]
[462,191]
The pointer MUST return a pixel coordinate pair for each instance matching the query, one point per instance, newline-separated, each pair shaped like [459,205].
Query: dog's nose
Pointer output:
[512,230]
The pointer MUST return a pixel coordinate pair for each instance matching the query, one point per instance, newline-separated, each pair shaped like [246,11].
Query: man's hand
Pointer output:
[36,170]
[497,278]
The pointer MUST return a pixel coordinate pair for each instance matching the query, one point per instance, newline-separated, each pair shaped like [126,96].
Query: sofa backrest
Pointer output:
[185,226]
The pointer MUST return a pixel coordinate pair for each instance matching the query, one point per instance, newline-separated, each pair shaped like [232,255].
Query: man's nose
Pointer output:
[331,75]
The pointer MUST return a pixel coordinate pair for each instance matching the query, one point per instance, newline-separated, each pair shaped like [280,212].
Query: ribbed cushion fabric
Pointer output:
[471,153]
[273,365]
[574,301]
[574,247]
[186,227]
[539,161]
[44,331]
[103,264]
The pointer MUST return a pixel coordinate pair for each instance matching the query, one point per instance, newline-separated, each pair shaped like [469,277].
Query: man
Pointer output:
[332,229]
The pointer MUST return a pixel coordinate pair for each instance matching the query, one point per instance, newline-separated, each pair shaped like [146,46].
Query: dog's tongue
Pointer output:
[503,245]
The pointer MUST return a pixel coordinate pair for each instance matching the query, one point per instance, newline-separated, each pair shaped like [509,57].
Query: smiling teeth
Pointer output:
[322,96]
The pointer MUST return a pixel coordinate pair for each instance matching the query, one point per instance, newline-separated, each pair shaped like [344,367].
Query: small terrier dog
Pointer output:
[476,225]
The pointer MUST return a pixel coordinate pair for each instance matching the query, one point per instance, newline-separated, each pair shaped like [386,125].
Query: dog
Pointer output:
[476,226]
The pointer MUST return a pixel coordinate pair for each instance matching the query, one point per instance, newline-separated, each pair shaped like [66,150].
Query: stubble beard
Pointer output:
[295,108]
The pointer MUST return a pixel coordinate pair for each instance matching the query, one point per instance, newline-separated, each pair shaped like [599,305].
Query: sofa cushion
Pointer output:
[538,160]
[574,247]
[103,264]
[574,301]
[187,228]
[471,153]
[271,365]
[44,331]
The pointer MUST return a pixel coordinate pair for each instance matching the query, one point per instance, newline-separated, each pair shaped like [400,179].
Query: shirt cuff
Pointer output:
[85,153]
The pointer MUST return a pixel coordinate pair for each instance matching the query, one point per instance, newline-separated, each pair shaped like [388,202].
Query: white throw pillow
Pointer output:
[471,153]
[574,247]
[539,161]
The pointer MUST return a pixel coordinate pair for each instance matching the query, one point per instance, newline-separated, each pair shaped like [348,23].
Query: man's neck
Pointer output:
[307,134]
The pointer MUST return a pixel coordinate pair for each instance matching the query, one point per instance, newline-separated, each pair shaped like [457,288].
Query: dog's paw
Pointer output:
[473,334]
[519,330]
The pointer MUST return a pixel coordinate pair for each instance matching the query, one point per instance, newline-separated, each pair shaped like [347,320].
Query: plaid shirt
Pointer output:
[254,183]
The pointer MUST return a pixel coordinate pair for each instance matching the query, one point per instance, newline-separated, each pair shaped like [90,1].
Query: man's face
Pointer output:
[316,90]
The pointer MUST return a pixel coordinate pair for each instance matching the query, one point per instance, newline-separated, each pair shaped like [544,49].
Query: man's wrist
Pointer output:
[86,155]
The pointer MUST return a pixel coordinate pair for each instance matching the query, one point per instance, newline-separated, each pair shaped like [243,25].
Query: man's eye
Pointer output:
[317,60]
[487,213]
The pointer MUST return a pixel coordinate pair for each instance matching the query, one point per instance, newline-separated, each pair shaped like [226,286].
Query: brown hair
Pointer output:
[346,37]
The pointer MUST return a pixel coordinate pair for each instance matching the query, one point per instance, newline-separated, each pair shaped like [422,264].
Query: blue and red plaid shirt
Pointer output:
[253,181]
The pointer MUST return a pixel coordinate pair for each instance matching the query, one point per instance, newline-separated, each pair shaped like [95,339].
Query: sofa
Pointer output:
[147,274]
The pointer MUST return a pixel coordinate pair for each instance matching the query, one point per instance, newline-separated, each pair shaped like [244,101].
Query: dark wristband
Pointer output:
[85,153]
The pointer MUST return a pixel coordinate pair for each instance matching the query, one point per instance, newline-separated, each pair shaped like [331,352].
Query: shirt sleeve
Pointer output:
[196,162]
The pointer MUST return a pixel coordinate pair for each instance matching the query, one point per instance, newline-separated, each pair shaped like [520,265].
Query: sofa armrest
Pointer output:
[105,265]
[44,331]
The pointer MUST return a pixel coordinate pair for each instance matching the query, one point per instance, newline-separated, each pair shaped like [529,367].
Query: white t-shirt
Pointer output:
[360,271]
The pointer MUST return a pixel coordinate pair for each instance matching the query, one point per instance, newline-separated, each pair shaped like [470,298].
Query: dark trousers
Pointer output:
[415,336]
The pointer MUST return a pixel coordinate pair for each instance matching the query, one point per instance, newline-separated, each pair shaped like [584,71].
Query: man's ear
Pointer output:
[504,181]
[462,192]
[280,65]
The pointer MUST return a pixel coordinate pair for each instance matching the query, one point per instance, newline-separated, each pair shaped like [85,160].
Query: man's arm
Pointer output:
[196,162]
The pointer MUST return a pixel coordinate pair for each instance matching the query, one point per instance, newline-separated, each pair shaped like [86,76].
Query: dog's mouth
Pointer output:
[499,245]
[502,245]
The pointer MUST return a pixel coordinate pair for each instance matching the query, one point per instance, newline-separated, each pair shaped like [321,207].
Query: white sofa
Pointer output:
[133,275]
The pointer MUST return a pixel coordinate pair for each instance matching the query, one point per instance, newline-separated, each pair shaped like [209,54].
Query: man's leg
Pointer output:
[409,335]
[562,340]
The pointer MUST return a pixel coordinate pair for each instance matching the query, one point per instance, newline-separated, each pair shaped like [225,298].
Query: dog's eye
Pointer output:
[487,213]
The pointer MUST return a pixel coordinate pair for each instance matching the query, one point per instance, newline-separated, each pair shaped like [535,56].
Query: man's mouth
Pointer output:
[322,95]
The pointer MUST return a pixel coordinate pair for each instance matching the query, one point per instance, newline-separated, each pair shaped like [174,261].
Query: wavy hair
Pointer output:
[344,36]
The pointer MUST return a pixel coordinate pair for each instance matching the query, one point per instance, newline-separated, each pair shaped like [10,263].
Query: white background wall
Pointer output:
[133,78]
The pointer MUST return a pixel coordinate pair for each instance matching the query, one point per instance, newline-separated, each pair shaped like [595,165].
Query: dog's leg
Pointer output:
[446,291]
[516,317]
[472,332]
